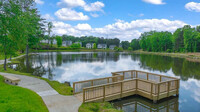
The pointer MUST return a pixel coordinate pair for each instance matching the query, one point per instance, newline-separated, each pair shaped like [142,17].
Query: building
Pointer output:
[67,43]
[120,45]
[44,41]
[102,46]
[79,43]
[89,45]
[112,47]
[54,42]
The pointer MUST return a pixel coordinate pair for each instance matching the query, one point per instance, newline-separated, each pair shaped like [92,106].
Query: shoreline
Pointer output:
[194,57]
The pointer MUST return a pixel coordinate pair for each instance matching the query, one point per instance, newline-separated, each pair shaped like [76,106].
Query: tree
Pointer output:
[94,46]
[135,44]
[125,44]
[49,30]
[59,41]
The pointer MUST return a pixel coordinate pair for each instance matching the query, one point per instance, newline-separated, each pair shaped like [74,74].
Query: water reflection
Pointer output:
[77,66]
[140,104]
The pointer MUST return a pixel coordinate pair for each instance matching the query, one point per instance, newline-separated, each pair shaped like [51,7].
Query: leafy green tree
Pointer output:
[125,44]
[130,49]
[94,46]
[59,41]
[135,44]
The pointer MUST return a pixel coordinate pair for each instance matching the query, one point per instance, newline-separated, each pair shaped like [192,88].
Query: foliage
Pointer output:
[135,45]
[59,41]
[118,49]
[130,49]
[94,46]
[91,39]
[97,107]
[76,45]
[16,99]
[125,44]
[20,26]
[186,39]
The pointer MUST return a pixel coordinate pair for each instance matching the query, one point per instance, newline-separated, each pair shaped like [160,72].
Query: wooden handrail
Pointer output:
[95,79]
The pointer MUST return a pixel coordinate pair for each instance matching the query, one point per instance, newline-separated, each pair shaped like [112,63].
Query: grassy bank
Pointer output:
[16,55]
[189,56]
[61,88]
[17,99]
[97,107]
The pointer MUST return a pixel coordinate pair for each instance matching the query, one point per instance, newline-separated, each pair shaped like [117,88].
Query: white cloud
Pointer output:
[94,15]
[70,15]
[71,3]
[83,27]
[39,2]
[193,6]
[48,17]
[120,29]
[96,6]
[156,2]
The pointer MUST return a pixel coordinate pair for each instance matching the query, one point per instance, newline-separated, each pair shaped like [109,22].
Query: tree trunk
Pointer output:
[10,57]
[5,63]
[27,57]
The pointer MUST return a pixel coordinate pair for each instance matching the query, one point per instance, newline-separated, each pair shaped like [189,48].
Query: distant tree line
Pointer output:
[92,39]
[186,39]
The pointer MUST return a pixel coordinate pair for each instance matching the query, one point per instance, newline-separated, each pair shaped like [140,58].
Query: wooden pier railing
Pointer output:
[126,83]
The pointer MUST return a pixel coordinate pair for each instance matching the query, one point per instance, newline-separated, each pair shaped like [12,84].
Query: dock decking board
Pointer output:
[126,83]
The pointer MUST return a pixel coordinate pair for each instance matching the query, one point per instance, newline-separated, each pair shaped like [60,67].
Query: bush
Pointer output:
[117,49]
[130,49]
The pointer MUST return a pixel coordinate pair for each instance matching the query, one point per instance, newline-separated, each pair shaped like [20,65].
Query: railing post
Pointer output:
[136,85]
[168,89]
[123,75]
[160,78]
[83,95]
[147,76]
[131,74]
[107,80]
[136,74]
[92,83]
[104,93]
[121,89]
[151,89]
[158,91]
[73,88]
[177,87]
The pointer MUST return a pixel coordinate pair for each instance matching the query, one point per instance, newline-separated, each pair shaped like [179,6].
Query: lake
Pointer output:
[77,66]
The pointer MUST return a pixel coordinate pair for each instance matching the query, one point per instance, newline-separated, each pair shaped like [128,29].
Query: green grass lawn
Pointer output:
[61,88]
[17,99]
[16,54]
[98,107]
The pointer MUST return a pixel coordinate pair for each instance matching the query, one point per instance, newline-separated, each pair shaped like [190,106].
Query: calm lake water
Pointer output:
[77,66]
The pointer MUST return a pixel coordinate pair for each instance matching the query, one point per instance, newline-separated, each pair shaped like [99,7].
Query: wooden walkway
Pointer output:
[127,83]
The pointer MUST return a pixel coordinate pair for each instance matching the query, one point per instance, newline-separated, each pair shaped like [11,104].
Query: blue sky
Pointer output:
[124,19]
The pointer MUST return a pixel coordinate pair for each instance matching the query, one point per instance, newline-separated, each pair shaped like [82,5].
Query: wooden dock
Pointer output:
[127,83]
